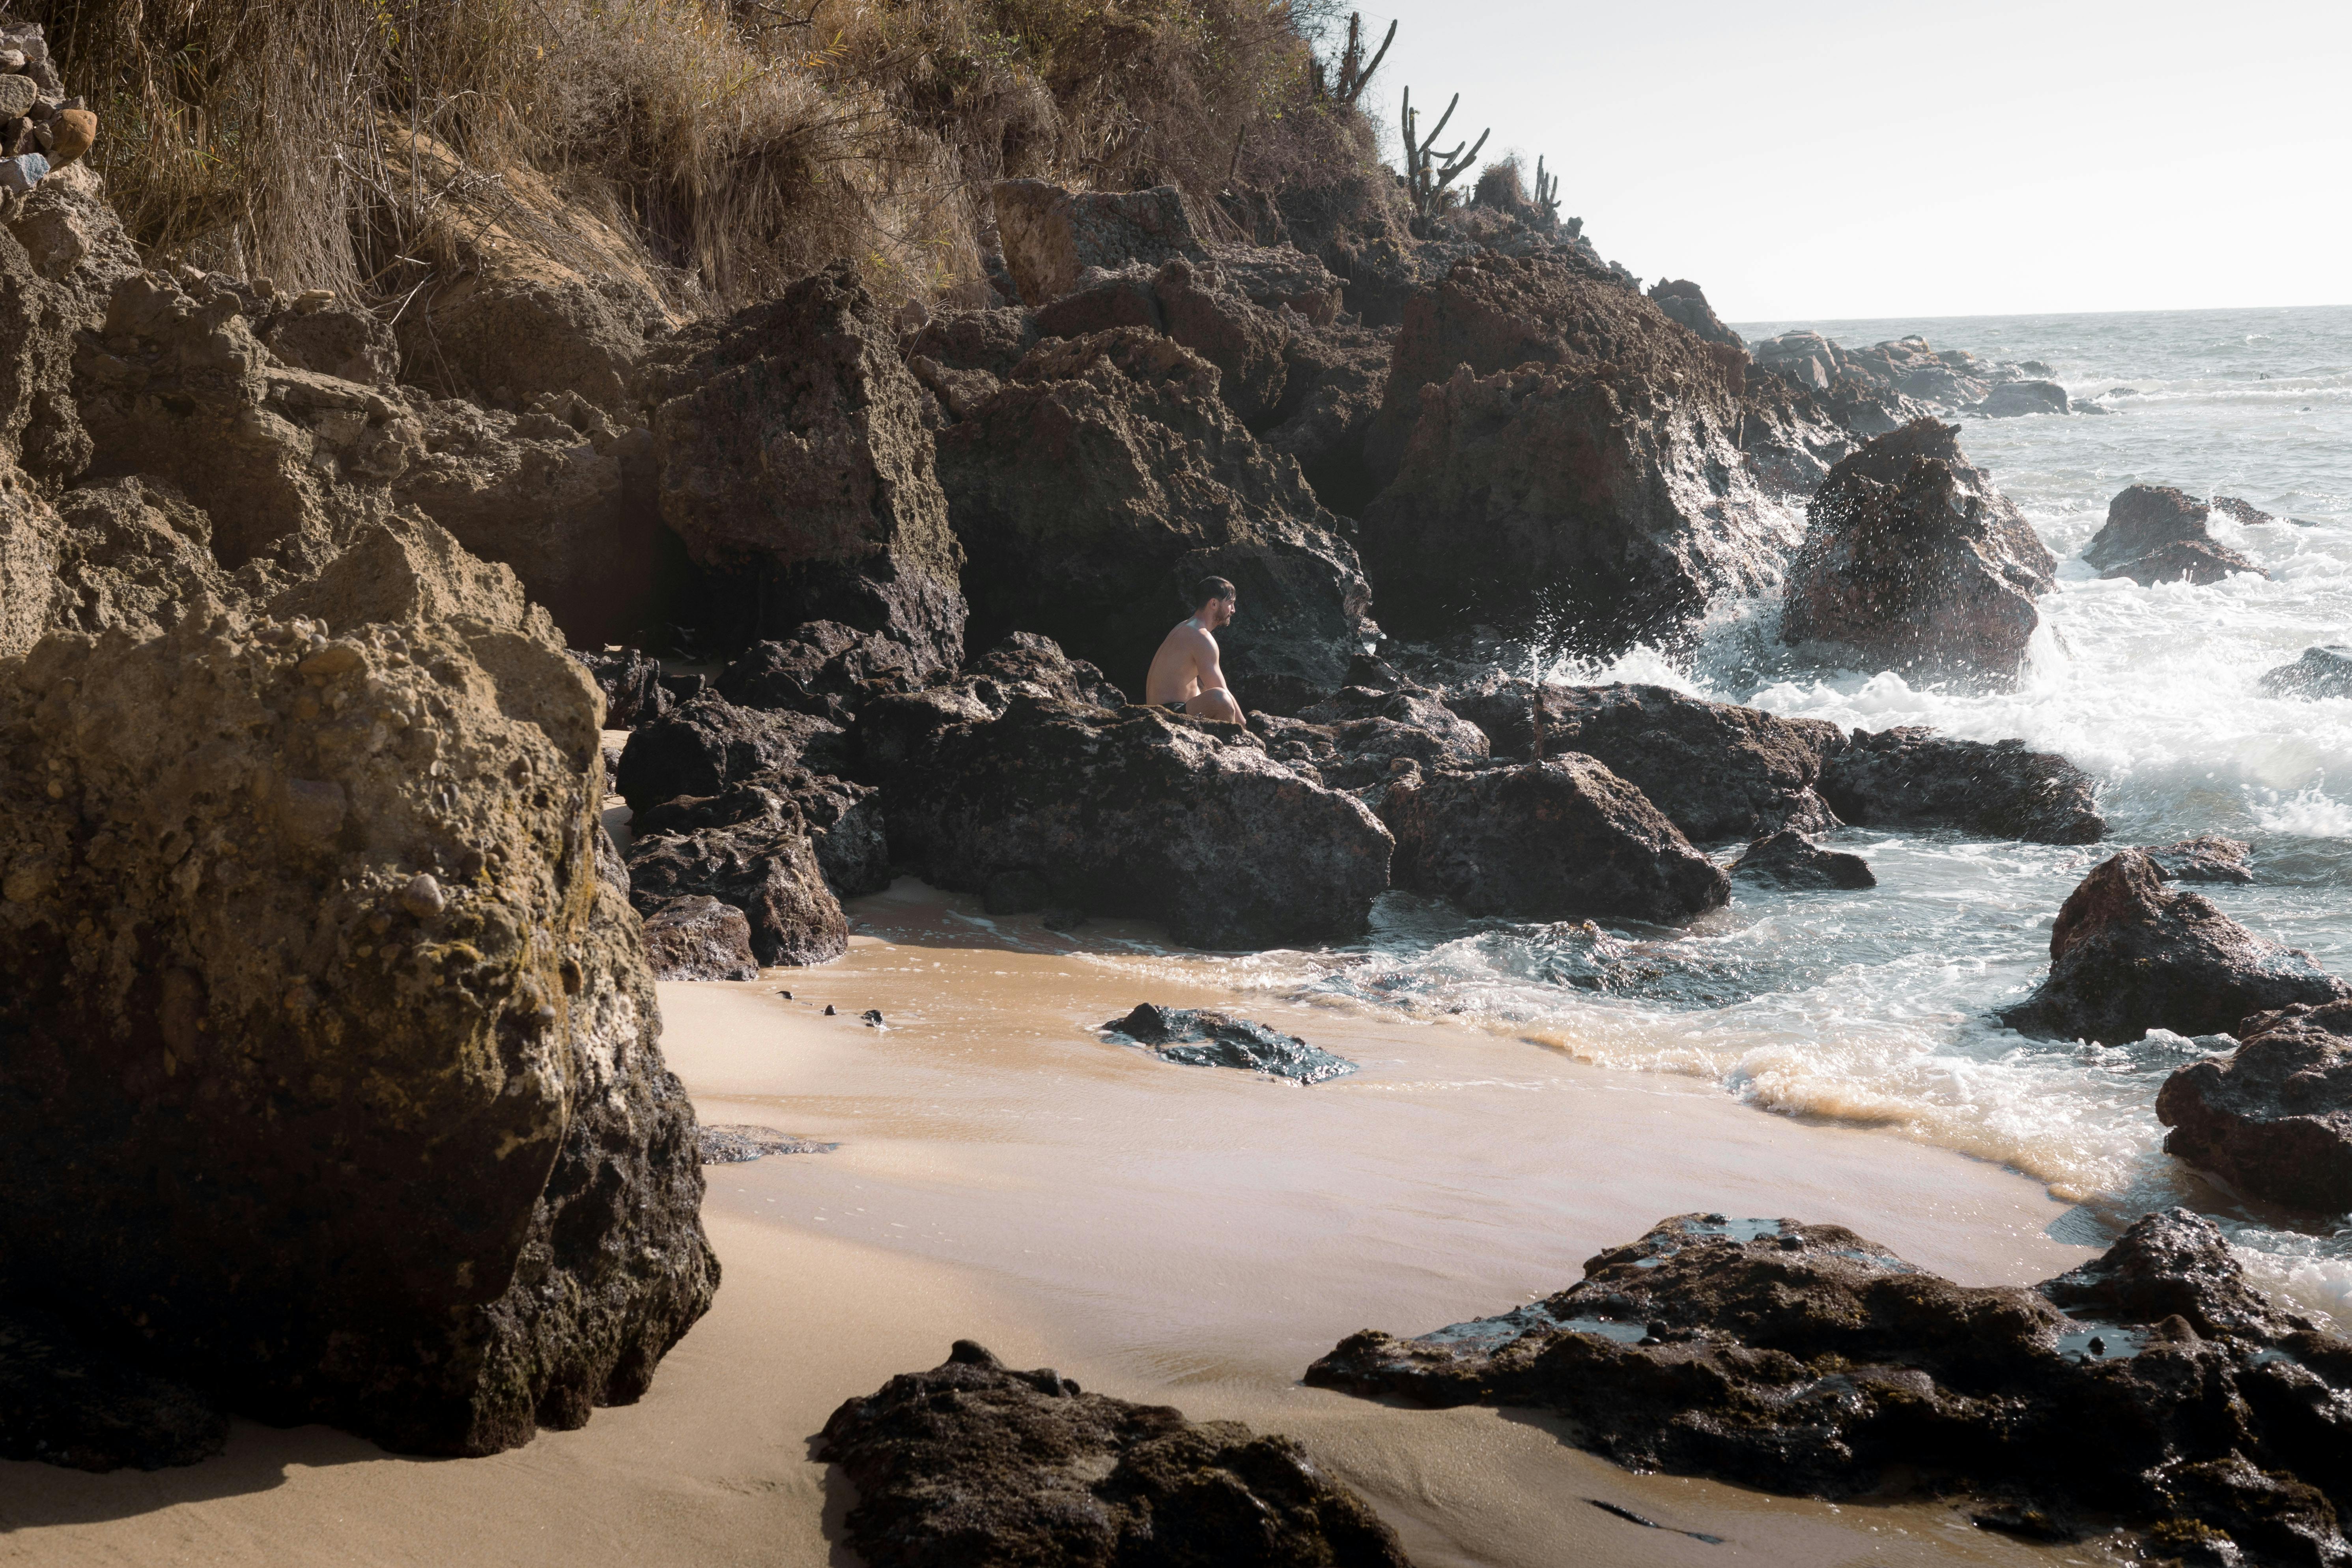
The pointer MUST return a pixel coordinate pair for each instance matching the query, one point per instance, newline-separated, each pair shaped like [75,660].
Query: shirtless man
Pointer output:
[1184,672]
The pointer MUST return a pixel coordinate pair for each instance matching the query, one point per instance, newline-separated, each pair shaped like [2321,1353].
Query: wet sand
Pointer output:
[1180,1235]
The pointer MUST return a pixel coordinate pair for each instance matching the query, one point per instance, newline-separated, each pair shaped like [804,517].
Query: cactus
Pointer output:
[1547,196]
[1354,74]
[1426,174]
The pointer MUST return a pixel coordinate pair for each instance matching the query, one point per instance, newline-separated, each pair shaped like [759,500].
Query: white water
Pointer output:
[1872,1007]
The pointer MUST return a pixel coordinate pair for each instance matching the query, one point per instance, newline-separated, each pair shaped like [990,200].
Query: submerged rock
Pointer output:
[1913,561]
[696,937]
[1560,840]
[1805,1359]
[2011,398]
[1136,813]
[2155,534]
[2204,859]
[728,1143]
[2245,514]
[2274,1119]
[979,1466]
[2322,671]
[1913,777]
[1201,1038]
[2127,955]
[1790,859]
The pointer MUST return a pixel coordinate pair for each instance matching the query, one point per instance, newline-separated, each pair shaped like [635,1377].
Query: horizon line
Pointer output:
[1987,315]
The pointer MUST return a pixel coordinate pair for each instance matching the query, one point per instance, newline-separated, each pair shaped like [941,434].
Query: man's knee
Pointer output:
[1216,702]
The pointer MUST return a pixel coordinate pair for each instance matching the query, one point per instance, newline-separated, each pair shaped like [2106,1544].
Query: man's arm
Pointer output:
[1205,661]
[1215,700]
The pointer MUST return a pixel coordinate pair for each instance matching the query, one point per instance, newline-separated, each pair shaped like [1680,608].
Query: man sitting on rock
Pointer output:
[1185,674]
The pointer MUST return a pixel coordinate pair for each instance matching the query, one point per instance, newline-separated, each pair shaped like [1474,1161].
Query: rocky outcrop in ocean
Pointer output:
[1903,378]
[2274,1118]
[2155,534]
[1805,1359]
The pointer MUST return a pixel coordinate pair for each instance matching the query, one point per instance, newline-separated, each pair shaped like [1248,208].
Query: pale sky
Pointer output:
[1829,158]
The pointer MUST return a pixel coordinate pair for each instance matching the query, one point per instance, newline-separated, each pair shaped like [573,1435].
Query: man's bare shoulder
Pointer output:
[1185,633]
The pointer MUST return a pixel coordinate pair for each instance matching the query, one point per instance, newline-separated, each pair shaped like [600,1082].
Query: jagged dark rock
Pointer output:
[65,1402]
[1805,1359]
[794,462]
[632,685]
[1560,840]
[825,669]
[1717,771]
[1367,729]
[2274,1119]
[2127,955]
[1138,813]
[1106,479]
[1912,777]
[1912,561]
[2322,671]
[1198,1037]
[731,1143]
[1790,859]
[1053,237]
[696,937]
[703,745]
[2010,399]
[748,848]
[2155,534]
[2207,858]
[981,1467]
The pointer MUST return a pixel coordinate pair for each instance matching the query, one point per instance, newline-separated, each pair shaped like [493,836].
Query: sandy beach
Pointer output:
[1180,1234]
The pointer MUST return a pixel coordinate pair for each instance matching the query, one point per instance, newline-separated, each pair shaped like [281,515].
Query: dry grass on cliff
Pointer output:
[741,142]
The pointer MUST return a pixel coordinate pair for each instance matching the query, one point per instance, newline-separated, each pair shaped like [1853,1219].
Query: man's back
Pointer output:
[1184,653]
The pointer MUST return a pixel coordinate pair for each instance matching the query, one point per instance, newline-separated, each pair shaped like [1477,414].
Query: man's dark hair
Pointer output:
[1210,588]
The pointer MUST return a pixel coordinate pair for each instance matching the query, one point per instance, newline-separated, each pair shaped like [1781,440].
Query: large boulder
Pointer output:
[1914,562]
[972,1463]
[1563,840]
[750,849]
[1053,237]
[1135,812]
[1104,480]
[304,909]
[696,937]
[1788,860]
[1807,1359]
[1563,453]
[2129,954]
[706,744]
[1911,776]
[793,460]
[2274,1119]
[1717,771]
[2155,534]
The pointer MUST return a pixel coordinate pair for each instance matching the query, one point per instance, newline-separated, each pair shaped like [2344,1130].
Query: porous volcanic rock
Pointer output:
[1106,479]
[631,682]
[696,937]
[1138,813]
[825,669]
[794,458]
[1561,450]
[1911,776]
[1562,839]
[2274,1118]
[1249,343]
[706,744]
[2244,513]
[2127,955]
[1914,562]
[1053,237]
[2155,534]
[128,553]
[1790,859]
[1806,1358]
[1375,725]
[992,340]
[1684,302]
[1199,1037]
[2208,858]
[750,849]
[61,255]
[303,910]
[842,819]
[1717,770]
[2322,671]
[977,1465]
[1335,377]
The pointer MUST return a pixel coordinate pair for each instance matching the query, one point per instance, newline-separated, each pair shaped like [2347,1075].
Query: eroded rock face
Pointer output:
[1790,859]
[1052,236]
[2274,1119]
[1336,376]
[1560,449]
[1913,562]
[1717,771]
[1911,776]
[509,341]
[302,909]
[825,669]
[1805,1359]
[696,937]
[750,850]
[2127,955]
[1138,813]
[1104,480]
[2155,534]
[792,452]
[1563,840]
[972,1463]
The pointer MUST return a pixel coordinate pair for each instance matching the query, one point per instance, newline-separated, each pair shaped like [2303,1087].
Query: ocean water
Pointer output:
[1873,1006]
